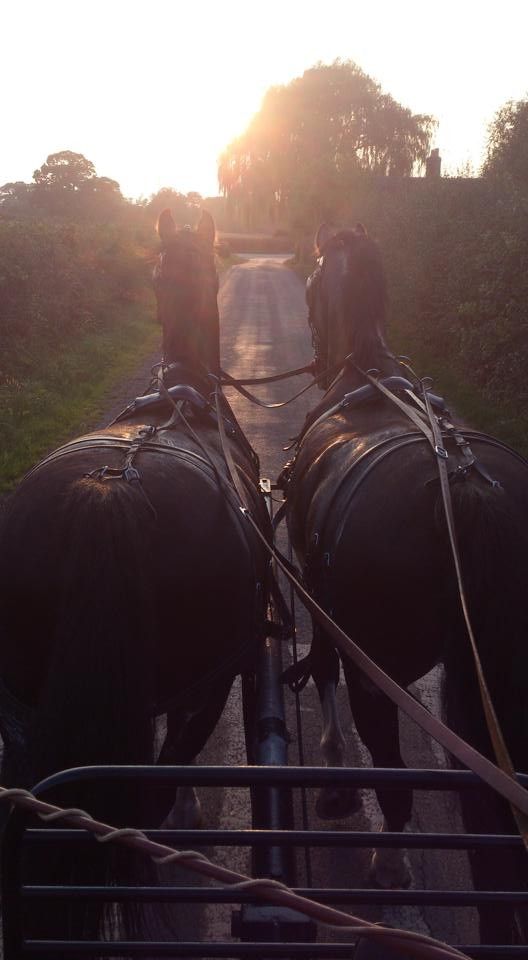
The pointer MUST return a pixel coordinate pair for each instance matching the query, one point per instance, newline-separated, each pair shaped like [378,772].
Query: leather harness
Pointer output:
[501,778]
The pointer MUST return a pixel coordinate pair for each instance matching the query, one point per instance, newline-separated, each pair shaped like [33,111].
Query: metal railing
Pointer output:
[262,930]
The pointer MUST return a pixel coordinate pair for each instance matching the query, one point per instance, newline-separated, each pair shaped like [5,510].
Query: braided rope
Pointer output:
[406,942]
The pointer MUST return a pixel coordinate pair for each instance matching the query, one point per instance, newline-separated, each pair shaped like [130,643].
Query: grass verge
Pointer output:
[500,419]
[69,388]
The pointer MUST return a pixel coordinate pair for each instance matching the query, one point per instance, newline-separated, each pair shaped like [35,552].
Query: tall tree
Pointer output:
[311,136]
[64,171]
[67,184]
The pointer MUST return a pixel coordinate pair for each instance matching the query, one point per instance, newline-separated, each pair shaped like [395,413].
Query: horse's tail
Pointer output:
[492,533]
[97,703]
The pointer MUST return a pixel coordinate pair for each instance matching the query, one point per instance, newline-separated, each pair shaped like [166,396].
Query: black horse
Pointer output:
[132,585]
[366,519]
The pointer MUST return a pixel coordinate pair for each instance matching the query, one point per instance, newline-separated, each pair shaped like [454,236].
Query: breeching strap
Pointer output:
[502,782]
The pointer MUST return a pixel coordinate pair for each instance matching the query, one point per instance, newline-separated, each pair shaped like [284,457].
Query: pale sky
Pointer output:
[151,92]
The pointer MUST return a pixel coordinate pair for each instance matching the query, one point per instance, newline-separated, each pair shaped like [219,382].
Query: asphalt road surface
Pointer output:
[263,331]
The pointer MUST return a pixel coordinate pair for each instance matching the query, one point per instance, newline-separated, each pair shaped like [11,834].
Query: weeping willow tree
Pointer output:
[312,137]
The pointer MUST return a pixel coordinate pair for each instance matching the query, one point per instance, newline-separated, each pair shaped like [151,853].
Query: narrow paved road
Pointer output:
[264,330]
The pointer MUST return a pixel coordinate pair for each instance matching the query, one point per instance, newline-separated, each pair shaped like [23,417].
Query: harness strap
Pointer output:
[413,415]
[494,729]
[231,382]
[434,435]
[352,399]
[128,472]
[228,456]
[496,778]
[237,384]
[477,762]
[274,378]
[114,443]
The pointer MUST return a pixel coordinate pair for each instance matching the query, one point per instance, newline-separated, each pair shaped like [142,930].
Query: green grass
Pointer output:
[69,389]
[502,420]
[61,393]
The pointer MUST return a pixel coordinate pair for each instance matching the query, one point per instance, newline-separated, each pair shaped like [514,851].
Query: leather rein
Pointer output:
[227,380]
[501,778]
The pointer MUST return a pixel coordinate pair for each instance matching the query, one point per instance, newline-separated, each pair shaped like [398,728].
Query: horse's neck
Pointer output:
[369,354]
[195,345]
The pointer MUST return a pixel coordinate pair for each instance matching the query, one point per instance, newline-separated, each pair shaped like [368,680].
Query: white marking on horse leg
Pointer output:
[332,736]
[334,803]
[187,810]
[390,868]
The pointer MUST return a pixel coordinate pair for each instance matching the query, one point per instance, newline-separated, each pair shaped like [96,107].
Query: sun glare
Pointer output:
[152,96]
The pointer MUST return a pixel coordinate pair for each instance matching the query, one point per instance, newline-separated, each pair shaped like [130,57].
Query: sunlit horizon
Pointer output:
[152,97]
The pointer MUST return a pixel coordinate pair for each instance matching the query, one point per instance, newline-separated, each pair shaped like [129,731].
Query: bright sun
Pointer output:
[153,94]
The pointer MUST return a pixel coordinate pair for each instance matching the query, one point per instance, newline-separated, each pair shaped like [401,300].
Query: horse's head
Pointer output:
[346,297]
[186,286]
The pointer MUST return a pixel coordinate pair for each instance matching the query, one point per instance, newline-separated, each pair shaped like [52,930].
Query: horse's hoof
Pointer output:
[333,804]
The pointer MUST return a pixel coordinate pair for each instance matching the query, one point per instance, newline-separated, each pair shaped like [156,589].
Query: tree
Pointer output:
[180,205]
[67,185]
[64,171]
[507,153]
[15,197]
[314,135]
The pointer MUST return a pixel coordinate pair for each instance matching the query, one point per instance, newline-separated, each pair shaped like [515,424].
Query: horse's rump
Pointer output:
[367,518]
[187,549]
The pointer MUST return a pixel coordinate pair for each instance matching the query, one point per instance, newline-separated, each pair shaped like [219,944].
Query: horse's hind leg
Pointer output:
[333,803]
[187,734]
[376,719]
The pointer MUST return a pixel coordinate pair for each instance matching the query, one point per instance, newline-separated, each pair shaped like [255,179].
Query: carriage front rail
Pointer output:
[272,931]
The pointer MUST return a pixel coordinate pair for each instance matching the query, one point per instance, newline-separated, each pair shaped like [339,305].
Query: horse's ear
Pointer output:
[166,226]
[360,230]
[322,236]
[206,228]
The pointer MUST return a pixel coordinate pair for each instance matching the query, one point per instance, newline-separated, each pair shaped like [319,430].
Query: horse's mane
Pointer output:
[365,297]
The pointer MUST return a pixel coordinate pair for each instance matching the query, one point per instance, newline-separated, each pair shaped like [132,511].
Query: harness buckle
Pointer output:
[130,474]
[441,452]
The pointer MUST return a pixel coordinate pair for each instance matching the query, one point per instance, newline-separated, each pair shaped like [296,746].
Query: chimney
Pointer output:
[433,164]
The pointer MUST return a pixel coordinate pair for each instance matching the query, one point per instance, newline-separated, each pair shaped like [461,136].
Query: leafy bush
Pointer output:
[59,281]
[456,252]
